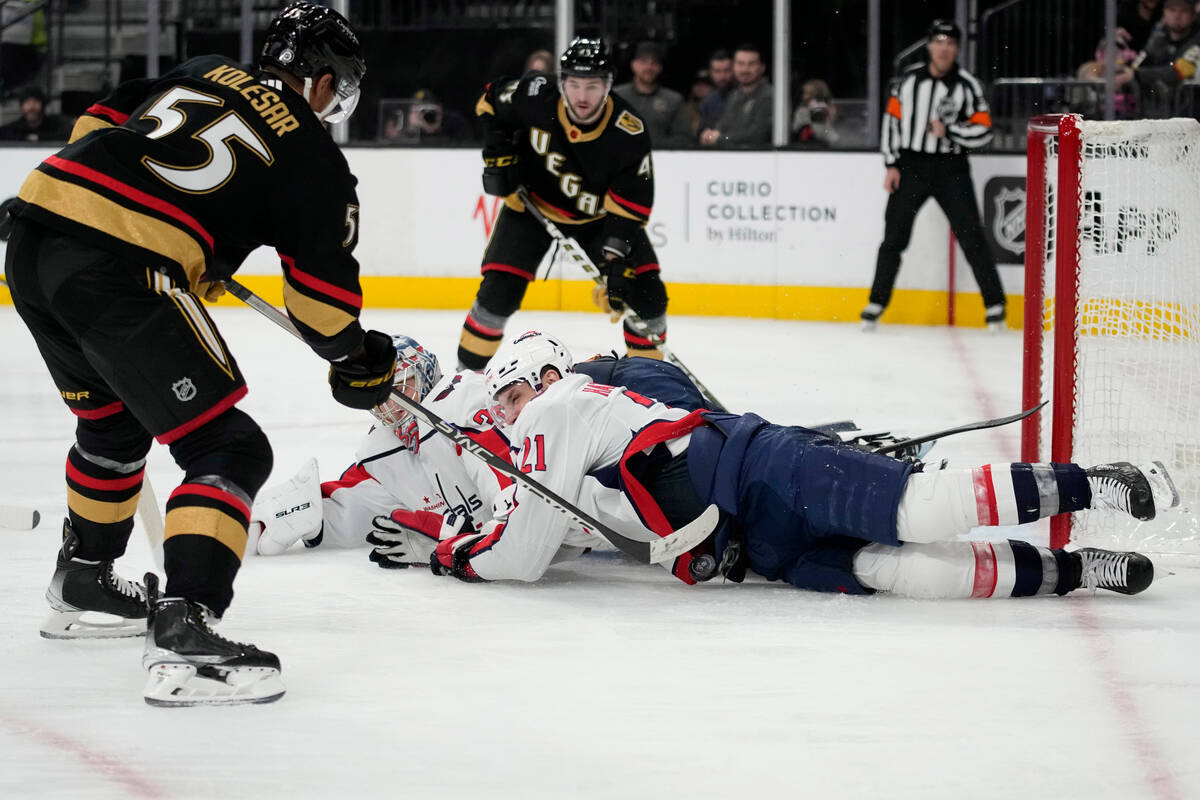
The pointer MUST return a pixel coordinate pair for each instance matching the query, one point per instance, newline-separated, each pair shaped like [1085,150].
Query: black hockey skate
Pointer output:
[1139,492]
[89,600]
[190,665]
[1126,573]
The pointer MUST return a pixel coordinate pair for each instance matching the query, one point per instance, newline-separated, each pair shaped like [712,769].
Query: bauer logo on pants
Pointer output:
[1004,218]
[184,389]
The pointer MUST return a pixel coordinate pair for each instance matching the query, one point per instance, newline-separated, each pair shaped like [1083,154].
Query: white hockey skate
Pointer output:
[190,665]
[89,600]
[1141,491]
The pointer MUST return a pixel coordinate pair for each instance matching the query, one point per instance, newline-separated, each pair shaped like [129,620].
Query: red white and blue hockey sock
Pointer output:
[941,505]
[943,570]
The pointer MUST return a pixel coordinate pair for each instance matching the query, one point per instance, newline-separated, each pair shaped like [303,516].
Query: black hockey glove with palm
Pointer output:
[406,538]
[364,380]
[500,156]
[618,272]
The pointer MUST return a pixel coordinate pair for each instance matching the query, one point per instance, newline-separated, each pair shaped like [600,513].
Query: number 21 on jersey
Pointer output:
[536,448]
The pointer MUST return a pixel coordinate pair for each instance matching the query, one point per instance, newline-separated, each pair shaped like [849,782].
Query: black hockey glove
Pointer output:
[365,380]
[500,172]
[406,538]
[618,272]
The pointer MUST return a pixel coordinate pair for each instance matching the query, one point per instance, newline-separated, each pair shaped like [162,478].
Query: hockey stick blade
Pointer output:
[970,426]
[667,547]
[19,518]
[577,254]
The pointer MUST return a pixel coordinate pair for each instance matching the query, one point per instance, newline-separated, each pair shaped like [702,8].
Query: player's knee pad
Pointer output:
[932,570]
[232,447]
[500,293]
[936,506]
[118,437]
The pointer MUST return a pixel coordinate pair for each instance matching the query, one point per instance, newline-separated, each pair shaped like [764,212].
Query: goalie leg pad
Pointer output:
[288,512]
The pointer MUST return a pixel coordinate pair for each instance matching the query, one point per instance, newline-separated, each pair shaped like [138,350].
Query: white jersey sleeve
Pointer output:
[564,438]
[418,469]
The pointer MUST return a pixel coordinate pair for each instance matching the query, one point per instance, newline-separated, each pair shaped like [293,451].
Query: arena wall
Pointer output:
[787,235]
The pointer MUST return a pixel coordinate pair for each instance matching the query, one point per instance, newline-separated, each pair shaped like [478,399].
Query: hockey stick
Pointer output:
[577,254]
[970,426]
[19,518]
[667,548]
[152,522]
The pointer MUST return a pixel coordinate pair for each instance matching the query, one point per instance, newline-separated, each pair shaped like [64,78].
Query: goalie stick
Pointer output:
[667,548]
[576,253]
[912,441]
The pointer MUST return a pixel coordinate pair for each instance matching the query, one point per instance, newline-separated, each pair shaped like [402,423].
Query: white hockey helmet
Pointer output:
[525,358]
[417,371]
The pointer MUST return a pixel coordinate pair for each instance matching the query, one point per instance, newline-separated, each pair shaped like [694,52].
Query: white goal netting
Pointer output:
[1136,333]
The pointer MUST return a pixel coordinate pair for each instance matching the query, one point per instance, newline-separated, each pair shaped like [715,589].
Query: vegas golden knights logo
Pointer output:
[629,123]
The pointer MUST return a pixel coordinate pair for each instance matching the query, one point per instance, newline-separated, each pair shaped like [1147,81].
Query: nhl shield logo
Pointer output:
[1008,219]
[184,389]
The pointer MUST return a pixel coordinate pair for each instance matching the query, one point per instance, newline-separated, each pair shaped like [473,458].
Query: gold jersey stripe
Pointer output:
[100,511]
[96,211]
[203,521]
[513,201]
[86,124]
[321,317]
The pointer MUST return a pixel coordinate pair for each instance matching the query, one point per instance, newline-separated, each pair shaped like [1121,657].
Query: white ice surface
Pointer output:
[606,679]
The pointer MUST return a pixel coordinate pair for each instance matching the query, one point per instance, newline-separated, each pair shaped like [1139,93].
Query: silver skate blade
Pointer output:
[180,685]
[91,625]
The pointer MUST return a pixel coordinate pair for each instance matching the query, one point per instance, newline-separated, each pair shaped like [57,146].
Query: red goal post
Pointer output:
[1112,312]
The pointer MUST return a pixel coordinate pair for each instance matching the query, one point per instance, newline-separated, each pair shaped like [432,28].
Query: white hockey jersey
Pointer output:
[570,438]
[418,468]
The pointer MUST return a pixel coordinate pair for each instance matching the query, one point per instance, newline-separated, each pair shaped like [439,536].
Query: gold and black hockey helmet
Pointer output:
[585,58]
[307,40]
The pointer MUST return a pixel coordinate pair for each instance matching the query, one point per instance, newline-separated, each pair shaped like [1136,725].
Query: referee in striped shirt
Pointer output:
[936,114]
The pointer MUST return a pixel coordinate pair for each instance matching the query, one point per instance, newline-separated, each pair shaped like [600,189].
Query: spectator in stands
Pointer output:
[720,72]
[746,120]
[702,87]
[815,116]
[1135,22]
[1169,58]
[539,61]
[34,124]
[426,121]
[660,108]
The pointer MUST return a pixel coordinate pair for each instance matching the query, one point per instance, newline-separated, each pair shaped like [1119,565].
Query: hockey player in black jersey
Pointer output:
[165,188]
[584,156]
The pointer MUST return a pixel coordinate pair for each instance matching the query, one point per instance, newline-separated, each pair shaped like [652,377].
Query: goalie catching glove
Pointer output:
[406,538]
[364,380]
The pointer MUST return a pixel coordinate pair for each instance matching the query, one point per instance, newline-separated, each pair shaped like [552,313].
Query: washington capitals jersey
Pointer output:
[186,174]
[575,174]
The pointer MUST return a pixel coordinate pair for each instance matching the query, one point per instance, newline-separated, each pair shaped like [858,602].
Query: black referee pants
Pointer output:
[946,178]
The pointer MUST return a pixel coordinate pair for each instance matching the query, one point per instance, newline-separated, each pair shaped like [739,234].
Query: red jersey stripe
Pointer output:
[324,287]
[99,413]
[632,206]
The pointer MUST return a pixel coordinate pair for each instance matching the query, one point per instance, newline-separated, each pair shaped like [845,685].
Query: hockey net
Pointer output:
[1112,313]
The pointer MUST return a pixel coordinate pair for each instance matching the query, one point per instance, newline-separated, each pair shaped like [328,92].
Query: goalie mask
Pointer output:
[525,358]
[417,371]
[308,40]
